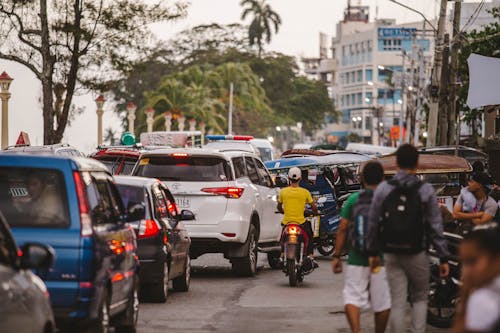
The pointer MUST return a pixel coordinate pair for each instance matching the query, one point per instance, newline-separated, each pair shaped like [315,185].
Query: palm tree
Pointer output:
[264,17]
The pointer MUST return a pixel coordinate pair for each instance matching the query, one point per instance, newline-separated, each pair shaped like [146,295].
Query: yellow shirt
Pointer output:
[294,200]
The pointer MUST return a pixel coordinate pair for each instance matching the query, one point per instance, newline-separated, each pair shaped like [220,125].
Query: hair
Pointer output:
[372,173]
[486,238]
[407,156]
[478,166]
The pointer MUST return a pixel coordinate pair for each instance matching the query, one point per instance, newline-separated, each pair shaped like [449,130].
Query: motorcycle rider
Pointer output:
[292,202]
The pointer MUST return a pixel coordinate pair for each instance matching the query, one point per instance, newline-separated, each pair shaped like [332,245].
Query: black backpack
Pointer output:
[402,228]
[359,222]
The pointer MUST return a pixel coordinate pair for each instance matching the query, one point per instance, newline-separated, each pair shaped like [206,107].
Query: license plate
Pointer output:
[183,202]
[292,239]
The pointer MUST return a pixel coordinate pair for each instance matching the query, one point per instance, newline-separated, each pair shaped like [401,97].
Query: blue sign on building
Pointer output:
[396,32]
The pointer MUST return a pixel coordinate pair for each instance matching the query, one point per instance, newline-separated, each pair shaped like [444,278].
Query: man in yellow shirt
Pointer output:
[292,203]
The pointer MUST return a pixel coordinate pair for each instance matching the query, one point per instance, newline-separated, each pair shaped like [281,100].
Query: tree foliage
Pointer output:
[75,43]
[485,42]
[264,19]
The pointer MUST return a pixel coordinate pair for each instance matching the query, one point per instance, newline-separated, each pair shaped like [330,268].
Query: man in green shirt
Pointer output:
[362,288]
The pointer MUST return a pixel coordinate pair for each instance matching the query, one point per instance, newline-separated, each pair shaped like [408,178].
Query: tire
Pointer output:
[128,320]
[102,323]
[326,246]
[292,272]
[247,266]
[181,283]
[156,292]
[441,305]
[273,259]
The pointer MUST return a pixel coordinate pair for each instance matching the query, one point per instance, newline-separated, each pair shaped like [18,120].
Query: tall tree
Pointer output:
[69,44]
[264,18]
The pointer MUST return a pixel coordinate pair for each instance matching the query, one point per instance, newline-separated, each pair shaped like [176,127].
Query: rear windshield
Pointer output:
[131,195]
[32,197]
[186,169]
[118,165]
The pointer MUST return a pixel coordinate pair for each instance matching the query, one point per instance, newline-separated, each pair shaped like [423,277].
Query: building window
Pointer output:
[360,98]
[353,99]
[369,74]
[360,75]
[368,123]
[347,97]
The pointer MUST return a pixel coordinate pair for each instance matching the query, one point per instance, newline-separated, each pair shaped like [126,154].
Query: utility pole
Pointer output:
[443,94]
[455,45]
[436,72]
[230,116]
[402,112]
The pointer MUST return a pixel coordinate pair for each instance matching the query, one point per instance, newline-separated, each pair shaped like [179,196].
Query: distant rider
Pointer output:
[292,203]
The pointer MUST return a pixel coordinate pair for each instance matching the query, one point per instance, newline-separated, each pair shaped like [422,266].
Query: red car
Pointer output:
[118,160]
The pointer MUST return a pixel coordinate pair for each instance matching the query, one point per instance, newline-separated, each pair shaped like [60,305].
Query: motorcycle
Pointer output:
[294,240]
[444,293]
[324,231]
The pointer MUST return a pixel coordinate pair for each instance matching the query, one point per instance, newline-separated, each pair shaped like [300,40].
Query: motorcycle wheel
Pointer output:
[326,247]
[292,272]
[441,306]
[273,258]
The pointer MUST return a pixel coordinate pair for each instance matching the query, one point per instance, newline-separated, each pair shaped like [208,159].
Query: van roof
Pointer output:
[27,160]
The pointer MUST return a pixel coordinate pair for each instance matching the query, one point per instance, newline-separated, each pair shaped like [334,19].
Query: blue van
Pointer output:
[73,205]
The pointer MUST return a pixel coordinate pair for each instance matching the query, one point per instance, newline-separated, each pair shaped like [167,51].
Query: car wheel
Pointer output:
[273,258]
[247,266]
[128,322]
[181,283]
[157,292]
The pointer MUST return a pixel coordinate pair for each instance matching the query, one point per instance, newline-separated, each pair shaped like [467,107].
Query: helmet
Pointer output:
[294,174]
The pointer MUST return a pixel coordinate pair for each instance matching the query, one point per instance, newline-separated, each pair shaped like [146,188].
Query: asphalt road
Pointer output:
[220,302]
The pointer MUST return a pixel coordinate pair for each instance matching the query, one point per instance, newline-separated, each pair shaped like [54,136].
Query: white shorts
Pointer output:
[363,288]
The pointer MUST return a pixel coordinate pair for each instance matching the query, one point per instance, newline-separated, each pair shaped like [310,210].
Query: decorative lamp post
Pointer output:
[149,118]
[131,108]
[168,121]
[100,103]
[192,124]
[5,81]
[181,121]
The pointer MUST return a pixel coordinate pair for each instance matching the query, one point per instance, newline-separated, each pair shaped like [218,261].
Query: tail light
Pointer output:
[83,205]
[293,230]
[228,192]
[148,228]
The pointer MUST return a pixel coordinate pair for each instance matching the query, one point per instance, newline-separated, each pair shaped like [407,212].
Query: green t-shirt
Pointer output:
[355,258]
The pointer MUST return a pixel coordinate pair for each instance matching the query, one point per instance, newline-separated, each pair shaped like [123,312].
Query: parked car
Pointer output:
[470,154]
[59,149]
[163,241]
[25,305]
[232,196]
[73,205]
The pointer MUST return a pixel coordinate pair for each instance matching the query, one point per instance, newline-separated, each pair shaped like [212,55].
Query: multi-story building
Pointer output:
[368,64]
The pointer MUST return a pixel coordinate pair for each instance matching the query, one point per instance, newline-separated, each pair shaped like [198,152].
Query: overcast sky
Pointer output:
[298,36]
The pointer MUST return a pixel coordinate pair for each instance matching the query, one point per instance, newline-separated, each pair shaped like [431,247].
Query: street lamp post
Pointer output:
[181,121]
[149,118]
[203,128]
[100,103]
[192,124]
[5,81]
[168,121]
[131,108]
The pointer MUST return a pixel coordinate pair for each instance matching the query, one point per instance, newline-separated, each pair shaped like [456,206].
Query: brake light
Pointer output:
[293,230]
[148,228]
[179,155]
[86,285]
[85,221]
[228,192]
[229,137]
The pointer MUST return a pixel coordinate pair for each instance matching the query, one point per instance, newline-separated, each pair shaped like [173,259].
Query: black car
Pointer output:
[24,300]
[473,156]
[162,241]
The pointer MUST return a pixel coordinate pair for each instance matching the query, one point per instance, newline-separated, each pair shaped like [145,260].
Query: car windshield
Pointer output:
[266,154]
[32,197]
[131,195]
[184,168]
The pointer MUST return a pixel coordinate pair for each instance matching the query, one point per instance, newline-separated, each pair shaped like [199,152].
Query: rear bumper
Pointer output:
[151,271]
[201,246]
[232,229]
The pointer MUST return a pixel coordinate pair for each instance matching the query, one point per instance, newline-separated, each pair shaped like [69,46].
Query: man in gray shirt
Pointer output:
[406,210]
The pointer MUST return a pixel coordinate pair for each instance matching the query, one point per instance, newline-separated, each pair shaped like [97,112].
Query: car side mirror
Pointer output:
[38,257]
[186,215]
[281,182]
[136,212]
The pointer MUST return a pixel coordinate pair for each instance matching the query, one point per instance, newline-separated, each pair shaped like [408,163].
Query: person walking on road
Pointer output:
[404,219]
[361,286]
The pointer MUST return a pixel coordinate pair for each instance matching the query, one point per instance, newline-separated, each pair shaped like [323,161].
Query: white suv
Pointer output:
[232,195]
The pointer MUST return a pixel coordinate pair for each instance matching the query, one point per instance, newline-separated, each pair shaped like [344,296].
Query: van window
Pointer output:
[31,197]
[265,179]
[105,204]
[184,168]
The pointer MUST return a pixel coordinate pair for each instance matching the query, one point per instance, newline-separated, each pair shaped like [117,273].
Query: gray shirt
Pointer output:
[489,205]
[431,212]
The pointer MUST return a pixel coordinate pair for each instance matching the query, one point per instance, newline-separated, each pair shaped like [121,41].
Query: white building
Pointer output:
[366,54]
[476,15]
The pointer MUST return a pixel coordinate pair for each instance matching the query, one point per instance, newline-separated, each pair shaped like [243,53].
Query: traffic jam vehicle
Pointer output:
[162,240]
[73,205]
[120,160]
[448,174]
[232,196]
[25,305]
